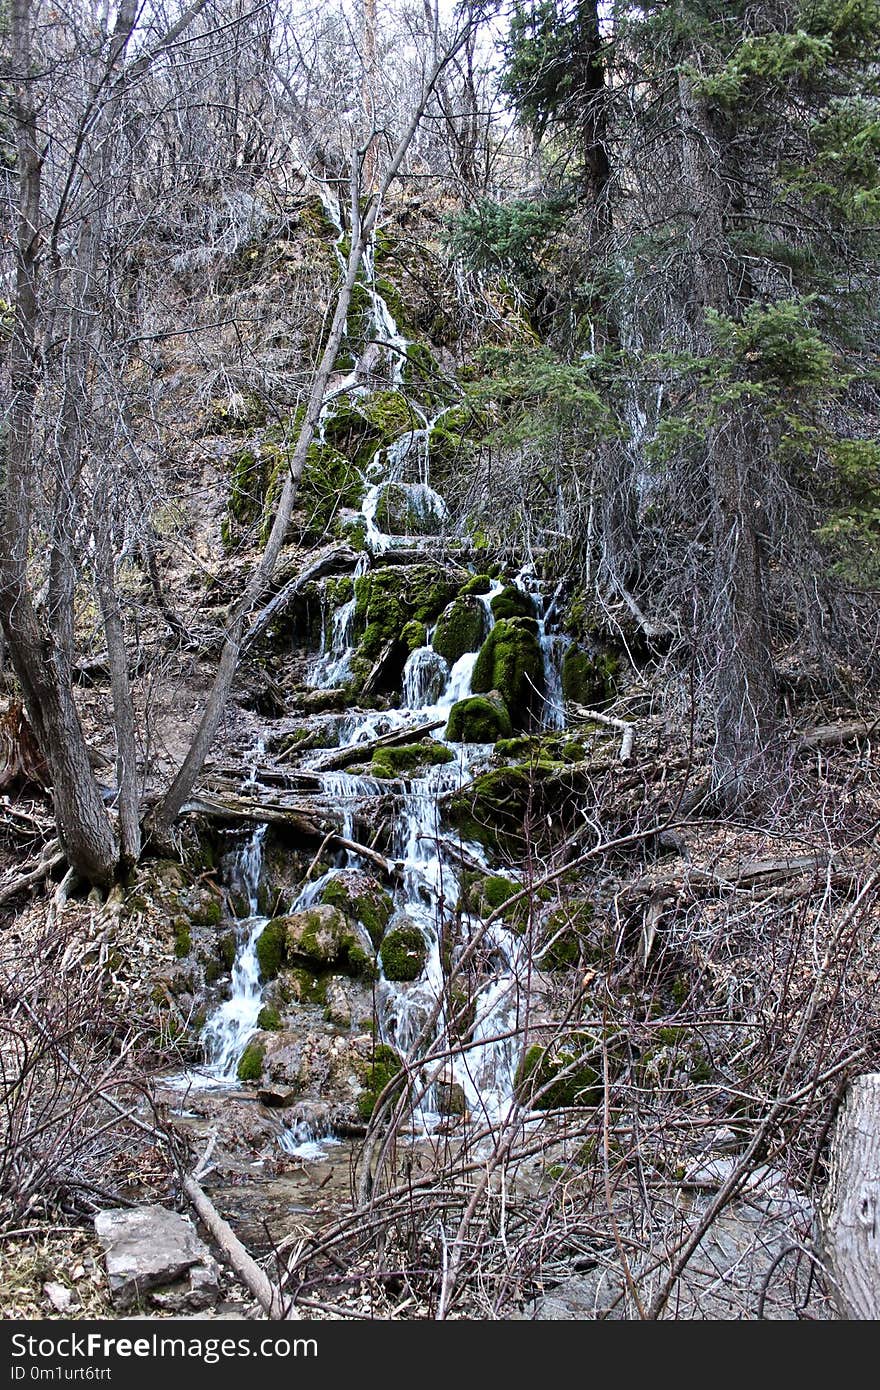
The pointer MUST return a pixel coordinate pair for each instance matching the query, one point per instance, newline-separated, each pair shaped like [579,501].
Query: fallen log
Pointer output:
[627,730]
[763,874]
[849,1228]
[340,758]
[267,1294]
[308,820]
[35,874]
[832,735]
[338,557]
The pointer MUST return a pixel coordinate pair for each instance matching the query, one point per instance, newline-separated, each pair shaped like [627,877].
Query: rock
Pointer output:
[588,679]
[478,719]
[338,1009]
[61,1299]
[511,663]
[461,628]
[408,509]
[151,1248]
[277,1097]
[324,938]
[451,1099]
[512,603]
[404,951]
[360,897]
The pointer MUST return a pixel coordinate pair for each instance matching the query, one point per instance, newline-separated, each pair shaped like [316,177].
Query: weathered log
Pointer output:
[760,874]
[339,758]
[627,730]
[305,818]
[831,735]
[850,1209]
[20,756]
[267,1294]
[330,561]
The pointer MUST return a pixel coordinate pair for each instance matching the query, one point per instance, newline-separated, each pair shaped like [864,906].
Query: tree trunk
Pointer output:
[850,1213]
[736,642]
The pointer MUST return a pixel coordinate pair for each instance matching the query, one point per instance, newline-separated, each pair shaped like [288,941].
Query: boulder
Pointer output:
[152,1252]
[460,628]
[478,719]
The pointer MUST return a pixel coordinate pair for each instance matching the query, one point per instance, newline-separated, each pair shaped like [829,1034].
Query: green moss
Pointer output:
[384,1066]
[271,948]
[404,954]
[390,598]
[512,603]
[182,937]
[395,762]
[269,1019]
[480,584]
[560,1077]
[571,931]
[588,679]
[414,635]
[302,986]
[323,937]
[499,808]
[477,719]
[250,1064]
[361,900]
[404,509]
[482,894]
[511,662]
[460,628]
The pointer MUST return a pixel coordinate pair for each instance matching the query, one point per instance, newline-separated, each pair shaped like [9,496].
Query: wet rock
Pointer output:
[338,1008]
[451,1098]
[323,938]
[478,719]
[361,898]
[149,1249]
[277,1097]
[461,628]
[404,951]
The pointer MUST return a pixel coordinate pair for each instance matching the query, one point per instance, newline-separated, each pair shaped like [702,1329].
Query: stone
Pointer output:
[338,1008]
[150,1248]
[277,1097]
[60,1298]
[451,1099]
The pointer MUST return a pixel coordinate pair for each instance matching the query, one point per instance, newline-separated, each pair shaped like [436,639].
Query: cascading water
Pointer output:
[227,1031]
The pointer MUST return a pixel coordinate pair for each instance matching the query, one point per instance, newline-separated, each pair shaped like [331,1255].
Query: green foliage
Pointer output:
[776,345]
[506,237]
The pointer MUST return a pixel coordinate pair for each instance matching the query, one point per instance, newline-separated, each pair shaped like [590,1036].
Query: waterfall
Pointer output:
[227,1031]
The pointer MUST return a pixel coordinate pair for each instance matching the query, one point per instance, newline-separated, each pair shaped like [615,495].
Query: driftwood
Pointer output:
[267,1294]
[627,730]
[355,752]
[388,867]
[831,735]
[850,1210]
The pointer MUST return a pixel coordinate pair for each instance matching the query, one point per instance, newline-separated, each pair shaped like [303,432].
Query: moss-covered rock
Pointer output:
[409,758]
[460,628]
[570,936]
[250,1063]
[483,894]
[565,1075]
[404,953]
[501,808]
[389,598]
[479,584]
[512,603]
[414,635]
[478,719]
[271,948]
[362,899]
[323,938]
[384,1065]
[588,679]
[182,937]
[269,1019]
[511,662]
